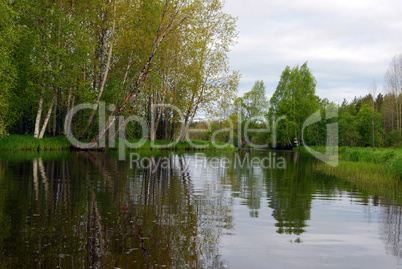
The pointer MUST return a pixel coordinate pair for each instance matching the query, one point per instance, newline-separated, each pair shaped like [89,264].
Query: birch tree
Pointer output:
[393,86]
[207,80]
[104,71]
[175,12]
[254,103]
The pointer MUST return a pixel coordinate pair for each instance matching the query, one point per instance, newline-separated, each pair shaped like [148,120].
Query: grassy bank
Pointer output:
[378,170]
[372,178]
[29,143]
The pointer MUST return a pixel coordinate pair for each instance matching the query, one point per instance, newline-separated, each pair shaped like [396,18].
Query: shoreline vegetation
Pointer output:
[377,170]
[30,143]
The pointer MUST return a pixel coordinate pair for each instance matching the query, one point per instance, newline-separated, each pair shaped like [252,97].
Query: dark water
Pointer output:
[170,210]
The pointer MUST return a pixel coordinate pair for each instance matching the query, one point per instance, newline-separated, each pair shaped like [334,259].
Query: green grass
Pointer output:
[29,143]
[369,177]
[390,159]
[378,170]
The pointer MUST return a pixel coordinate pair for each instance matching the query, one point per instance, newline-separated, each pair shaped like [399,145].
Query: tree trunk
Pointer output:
[130,60]
[49,113]
[166,124]
[72,105]
[188,123]
[164,28]
[183,132]
[55,117]
[39,114]
[103,80]
[173,127]
[400,115]
[69,101]
[137,88]
[155,123]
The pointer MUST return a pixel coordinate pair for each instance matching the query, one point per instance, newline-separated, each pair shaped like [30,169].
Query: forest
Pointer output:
[132,54]
[167,63]
[373,120]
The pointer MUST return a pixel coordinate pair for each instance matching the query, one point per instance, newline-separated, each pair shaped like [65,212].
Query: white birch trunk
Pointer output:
[103,83]
[54,129]
[38,116]
[184,130]
[49,113]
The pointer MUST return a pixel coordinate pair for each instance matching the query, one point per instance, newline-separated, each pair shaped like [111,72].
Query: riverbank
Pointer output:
[29,143]
[378,170]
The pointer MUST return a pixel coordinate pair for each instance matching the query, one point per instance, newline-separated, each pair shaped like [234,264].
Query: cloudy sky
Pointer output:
[347,43]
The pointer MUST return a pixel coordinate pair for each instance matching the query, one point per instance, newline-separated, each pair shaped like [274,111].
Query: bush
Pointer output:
[3,130]
[392,138]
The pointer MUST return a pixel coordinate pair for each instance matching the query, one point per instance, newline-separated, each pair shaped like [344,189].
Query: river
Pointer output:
[246,209]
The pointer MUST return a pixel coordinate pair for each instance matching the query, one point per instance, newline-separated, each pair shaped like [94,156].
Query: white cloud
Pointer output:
[347,43]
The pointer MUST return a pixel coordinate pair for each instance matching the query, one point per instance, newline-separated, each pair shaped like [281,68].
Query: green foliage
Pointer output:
[9,36]
[392,138]
[54,55]
[254,103]
[58,54]
[367,120]
[295,99]
[348,127]
[253,108]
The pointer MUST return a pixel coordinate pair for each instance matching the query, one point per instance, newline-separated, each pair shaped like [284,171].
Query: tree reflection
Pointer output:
[88,210]
[289,191]
[290,195]
[5,227]
[390,230]
[95,212]
[246,180]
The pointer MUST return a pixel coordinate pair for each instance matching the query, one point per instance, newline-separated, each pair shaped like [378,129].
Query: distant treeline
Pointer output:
[374,120]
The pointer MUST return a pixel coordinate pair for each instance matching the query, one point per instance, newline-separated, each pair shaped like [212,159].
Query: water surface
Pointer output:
[189,210]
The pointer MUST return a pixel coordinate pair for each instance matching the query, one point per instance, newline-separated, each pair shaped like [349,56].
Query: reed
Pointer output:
[375,170]
[390,159]
[369,177]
